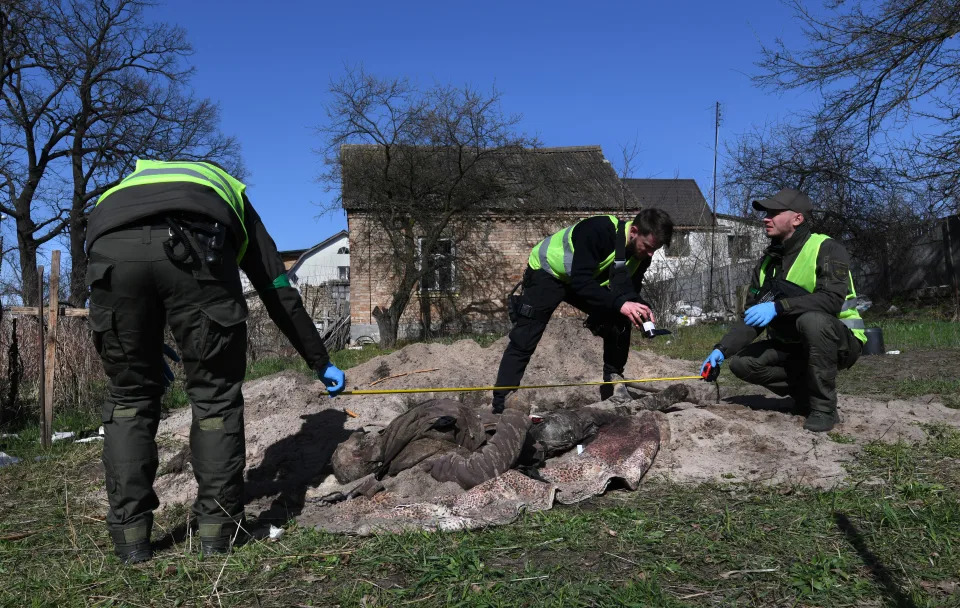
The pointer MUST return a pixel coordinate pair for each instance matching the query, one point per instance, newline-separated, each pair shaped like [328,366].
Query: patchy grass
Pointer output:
[692,343]
[924,366]
[889,538]
[927,334]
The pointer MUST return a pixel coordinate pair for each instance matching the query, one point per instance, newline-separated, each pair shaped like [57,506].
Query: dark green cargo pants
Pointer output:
[135,291]
[804,367]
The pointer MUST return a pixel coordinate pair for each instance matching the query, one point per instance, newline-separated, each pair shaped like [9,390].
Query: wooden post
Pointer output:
[50,353]
[742,291]
[45,433]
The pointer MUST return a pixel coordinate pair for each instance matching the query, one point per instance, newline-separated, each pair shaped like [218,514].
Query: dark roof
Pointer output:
[291,253]
[681,198]
[567,178]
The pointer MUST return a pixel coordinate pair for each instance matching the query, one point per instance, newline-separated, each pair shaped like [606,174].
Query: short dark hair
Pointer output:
[656,222]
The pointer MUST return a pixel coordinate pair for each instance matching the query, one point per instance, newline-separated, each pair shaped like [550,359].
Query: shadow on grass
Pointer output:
[880,573]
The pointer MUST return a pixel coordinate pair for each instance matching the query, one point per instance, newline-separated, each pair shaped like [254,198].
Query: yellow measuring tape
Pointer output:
[507,388]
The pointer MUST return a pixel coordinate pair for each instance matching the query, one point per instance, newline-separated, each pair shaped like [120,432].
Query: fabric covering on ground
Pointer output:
[292,428]
[413,499]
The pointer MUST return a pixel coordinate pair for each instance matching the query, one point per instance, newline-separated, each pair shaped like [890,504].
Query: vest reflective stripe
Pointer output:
[555,254]
[157,172]
[803,273]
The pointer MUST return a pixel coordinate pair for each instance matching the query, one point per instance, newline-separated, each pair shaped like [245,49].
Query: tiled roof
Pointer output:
[681,198]
[567,178]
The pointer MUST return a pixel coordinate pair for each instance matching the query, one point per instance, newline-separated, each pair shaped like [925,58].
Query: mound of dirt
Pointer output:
[292,426]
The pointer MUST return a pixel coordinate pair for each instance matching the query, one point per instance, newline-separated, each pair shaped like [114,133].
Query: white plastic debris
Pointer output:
[90,439]
[6,459]
[579,450]
[689,310]
[60,435]
[863,303]
[9,436]
[276,533]
[893,352]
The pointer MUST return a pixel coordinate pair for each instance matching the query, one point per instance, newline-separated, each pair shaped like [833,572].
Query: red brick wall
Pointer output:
[488,266]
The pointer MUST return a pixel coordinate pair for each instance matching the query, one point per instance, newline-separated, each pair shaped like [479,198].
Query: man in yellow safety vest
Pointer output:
[597,266]
[802,293]
[166,247]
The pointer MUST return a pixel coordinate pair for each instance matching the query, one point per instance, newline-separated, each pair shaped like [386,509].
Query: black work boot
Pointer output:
[821,422]
[215,539]
[132,545]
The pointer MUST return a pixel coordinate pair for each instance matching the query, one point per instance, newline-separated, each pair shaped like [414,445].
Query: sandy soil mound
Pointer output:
[293,427]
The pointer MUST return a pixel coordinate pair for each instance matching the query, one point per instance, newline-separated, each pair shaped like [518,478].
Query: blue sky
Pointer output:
[601,73]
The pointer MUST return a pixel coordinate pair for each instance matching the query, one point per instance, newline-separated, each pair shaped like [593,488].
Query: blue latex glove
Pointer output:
[714,359]
[168,376]
[333,378]
[760,315]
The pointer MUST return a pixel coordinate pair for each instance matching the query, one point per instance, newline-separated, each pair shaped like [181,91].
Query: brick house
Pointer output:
[469,289]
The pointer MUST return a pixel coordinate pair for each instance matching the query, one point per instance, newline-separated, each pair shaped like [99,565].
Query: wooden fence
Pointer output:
[47,340]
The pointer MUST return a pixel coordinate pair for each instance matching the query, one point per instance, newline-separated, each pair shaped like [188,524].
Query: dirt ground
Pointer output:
[292,426]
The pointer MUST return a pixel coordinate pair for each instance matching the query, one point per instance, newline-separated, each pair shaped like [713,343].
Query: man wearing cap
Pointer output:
[802,293]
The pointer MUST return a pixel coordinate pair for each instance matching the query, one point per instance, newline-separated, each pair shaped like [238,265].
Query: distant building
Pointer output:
[695,242]
[326,261]
[468,291]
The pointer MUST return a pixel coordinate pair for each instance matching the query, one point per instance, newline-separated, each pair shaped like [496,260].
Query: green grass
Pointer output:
[889,538]
[900,335]
[691,343]
[696,342]
[924,366]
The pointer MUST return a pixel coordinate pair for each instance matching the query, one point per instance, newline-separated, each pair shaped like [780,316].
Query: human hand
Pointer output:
[333,378]
[637,312]
[711,365]
[760,315]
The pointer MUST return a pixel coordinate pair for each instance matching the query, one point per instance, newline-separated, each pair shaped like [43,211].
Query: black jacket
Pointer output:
[261,261]
[833,267]
[594,239]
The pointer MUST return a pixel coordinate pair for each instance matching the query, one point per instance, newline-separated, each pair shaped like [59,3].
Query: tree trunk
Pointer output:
[78,258]
[27,249]
[387,325]
[426,320]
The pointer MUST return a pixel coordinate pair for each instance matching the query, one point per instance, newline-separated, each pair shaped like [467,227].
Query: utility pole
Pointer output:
[713,230]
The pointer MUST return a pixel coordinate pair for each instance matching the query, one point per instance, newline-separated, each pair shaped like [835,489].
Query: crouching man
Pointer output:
[802,293]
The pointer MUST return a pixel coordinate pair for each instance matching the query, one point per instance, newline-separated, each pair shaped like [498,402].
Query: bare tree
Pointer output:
[629,151]
[877,67]
[428,165]
[91,88]
[858,198]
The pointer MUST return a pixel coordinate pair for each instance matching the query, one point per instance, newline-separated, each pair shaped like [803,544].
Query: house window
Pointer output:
[679,245]
[343,273]
[343,250]
[738,246]
[441,277]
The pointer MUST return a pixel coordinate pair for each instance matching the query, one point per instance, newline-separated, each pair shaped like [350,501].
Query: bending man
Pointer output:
[597,266]
[166,247]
